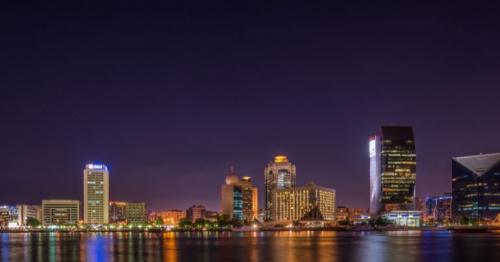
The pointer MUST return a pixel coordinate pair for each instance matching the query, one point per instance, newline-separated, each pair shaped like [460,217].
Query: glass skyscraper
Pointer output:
[279,174]
[476,187]
[392,169]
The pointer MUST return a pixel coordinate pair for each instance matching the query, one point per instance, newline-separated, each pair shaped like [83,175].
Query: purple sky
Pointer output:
[170,96]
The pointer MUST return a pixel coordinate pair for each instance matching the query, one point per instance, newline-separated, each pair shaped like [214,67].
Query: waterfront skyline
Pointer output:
[170,95]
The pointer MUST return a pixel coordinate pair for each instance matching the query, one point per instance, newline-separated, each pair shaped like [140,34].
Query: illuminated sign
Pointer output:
[372,148]
[95,166]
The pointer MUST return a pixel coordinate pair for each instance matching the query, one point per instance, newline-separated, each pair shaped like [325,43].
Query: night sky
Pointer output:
[170,96]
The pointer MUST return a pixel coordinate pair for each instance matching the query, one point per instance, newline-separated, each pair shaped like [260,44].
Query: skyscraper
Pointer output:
[392,169]
[250,199]
[239,198]
[476,187]
[279,174]
[95,194]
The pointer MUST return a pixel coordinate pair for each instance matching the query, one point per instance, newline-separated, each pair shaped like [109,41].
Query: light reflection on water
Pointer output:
[251,246]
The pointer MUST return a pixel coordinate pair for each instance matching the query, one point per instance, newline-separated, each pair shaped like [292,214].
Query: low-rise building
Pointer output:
[169,217]
[408,218]
[195,212]
[60,212]
[136,213]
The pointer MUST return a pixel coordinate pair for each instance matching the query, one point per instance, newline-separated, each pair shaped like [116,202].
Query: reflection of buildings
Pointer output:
[136,213]
[239,198]
[404,217]
[195,212]
[170,217]
[117,212]
[476,187]
[60,212]
[309,202]
[438,208]
[279,174]
[392,169]
[95,194]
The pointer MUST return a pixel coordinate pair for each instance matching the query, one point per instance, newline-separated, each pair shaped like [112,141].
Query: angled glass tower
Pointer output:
[392,169]
[476,187]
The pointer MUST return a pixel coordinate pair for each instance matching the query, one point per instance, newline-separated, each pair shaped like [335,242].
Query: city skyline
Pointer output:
[167,95]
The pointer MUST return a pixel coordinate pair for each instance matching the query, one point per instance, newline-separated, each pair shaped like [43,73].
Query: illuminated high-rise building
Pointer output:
[308,202]
[239,198]
[392,170]
[476,187]
[279,174]
[95,194]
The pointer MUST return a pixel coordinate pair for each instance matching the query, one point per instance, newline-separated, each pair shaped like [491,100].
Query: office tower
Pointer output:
[239,198]
[310,202]
[231,197]
[438,208]
[136,213]
[250,199]
[60,212]
[170,217]
[195,212]
[476,187]
[392,169]
[117,212]
[279,174]
[95,194]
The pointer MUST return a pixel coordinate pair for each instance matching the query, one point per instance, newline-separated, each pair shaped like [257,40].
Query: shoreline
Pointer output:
[493,230]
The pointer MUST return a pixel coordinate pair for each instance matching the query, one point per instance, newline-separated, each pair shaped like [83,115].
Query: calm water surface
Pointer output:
[254,246]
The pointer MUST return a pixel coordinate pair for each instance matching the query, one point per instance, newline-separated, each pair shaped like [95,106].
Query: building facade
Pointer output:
[26,212]
[239,198]
[95,194]
[170,217]
[60,212]
[117,212]
[279,174]
[136,213]
[308,202]
[406,218]
[438,208]
[392,169]
[476,187]
[195,212]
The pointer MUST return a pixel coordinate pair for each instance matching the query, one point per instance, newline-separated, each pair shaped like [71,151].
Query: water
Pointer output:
[250,246]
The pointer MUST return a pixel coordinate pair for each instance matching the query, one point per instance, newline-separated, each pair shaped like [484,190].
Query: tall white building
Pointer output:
[95,194]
